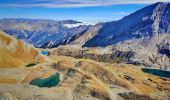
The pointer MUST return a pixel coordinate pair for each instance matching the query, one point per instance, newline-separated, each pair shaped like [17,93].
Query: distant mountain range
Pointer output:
[144,23]
[43,33]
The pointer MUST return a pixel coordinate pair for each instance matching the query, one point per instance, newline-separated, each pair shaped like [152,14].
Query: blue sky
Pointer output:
[89,11]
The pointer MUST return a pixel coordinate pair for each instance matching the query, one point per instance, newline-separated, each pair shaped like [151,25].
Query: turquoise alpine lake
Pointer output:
[51,81]
[157,72]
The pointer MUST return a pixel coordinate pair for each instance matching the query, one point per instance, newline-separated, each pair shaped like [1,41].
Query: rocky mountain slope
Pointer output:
[43,33]
[144,23]
[142,38]
[79,79]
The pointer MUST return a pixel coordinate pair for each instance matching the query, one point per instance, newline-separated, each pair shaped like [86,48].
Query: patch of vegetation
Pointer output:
[51,81]
[31,64]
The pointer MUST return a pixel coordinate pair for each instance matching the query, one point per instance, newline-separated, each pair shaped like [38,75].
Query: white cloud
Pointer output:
[72,3]
[75,25]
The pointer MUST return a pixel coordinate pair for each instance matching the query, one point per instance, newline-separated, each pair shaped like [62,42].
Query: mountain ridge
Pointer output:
[136,25]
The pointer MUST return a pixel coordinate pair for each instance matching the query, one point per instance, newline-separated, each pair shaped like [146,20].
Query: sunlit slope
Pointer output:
[14,53]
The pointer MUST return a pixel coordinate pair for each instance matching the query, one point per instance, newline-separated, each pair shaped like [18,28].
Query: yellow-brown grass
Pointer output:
[14,53]
[127,76]
[7,80]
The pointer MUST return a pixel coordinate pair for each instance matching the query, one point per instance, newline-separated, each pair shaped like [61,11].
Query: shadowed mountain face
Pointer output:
[151,20]
[43,33]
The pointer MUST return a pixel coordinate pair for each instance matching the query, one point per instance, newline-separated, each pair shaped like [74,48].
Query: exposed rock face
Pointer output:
[42,33]
[88,35]
[152,52]
[164,48]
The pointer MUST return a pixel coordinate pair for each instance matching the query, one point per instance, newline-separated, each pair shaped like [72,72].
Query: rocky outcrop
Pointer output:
[88,35]
[164,49]
[133,96]
[116,55]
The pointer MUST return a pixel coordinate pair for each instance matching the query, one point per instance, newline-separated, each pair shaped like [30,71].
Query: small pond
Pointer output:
[45,52]
[157,72]
[51,81]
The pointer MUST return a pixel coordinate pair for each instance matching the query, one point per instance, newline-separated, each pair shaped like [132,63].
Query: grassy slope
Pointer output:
[14,53]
